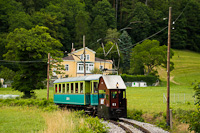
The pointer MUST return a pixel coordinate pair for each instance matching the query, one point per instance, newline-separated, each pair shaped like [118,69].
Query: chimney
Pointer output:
[73,49]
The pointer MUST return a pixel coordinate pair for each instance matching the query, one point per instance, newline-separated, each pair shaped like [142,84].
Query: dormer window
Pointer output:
[87,57]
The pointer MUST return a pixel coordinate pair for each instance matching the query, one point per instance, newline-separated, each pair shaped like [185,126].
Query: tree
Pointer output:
[150,54]
[33,47]
[98,30]
[6,73]
[124,46]
[195,116]
[82,27]
[104,9]
[112,55]
[112,35]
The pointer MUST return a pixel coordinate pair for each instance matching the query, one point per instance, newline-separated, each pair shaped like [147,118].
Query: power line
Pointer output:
[11,61]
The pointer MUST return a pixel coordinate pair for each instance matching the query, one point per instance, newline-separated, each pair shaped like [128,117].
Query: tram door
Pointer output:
[114,100]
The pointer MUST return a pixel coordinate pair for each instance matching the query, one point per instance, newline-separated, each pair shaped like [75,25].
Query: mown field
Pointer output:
[148,99]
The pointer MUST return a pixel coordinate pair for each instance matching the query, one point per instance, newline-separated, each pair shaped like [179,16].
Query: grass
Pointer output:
[18,120]
[31,119]
[150,99]
[186,68]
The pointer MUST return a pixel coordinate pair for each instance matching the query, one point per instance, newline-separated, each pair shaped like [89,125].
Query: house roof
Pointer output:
[85,48]
[81,78]
[102,60]
[112,80]
[68,58]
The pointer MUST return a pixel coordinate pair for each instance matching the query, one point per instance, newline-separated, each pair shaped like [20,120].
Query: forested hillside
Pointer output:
[129,20]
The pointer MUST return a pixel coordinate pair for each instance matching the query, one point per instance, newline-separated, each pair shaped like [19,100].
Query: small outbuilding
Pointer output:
[139,84]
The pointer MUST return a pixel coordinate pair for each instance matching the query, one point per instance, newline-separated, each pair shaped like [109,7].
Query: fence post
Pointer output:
[170,118]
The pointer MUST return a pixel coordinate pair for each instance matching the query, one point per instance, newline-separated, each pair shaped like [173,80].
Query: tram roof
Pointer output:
[112,80]
[81,78]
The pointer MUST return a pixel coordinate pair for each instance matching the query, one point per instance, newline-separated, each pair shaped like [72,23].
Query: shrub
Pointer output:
[135,114]
[93,125]
[47,105]
[150,79]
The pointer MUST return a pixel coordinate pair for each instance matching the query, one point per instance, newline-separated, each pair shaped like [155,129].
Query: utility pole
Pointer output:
[48,64]
[84,54]
[168,67]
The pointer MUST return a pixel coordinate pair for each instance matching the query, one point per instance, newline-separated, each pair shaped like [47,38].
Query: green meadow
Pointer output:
[149,99]
[186,72]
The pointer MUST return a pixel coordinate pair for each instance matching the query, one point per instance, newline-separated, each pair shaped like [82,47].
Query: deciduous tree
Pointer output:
[33,47]
[150,54]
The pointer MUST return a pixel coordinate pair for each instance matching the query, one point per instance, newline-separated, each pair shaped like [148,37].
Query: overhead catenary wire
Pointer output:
[11,61]
[152,34]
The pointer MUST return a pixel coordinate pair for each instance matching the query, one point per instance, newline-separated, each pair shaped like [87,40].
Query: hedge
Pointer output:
[150,79]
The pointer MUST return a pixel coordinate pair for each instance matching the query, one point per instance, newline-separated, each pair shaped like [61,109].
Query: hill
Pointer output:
[186,68]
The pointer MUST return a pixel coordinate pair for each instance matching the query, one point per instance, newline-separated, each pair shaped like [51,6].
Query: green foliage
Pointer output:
[82,26]
[135,114]
[6,73]
[195,121]
[104,9]
[46,105]
[197,94]
[195,116]
[112,55]
[112,35]
[93,125]
[98,30]
[96,71]
[124,44]
[150,79]
[150,54]
[31,45]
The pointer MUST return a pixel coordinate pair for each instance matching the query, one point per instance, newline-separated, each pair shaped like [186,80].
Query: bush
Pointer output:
[47,105]
[135,114]
[195,122]
[93,125]
[150,79]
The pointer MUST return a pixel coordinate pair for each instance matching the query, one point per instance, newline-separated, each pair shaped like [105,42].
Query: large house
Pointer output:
[74,66]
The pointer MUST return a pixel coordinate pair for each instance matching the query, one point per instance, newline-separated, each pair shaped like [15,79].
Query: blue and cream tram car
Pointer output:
[101,94]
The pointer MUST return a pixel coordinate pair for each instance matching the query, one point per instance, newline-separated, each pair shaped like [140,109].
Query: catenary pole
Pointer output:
[48,63]
[168,68]
[84,54]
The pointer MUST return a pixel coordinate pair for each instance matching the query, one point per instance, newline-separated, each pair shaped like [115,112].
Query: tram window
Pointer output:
[95,85]
[124,94]
[59,88]
[72,88]
[63,88]
[106,96]
[67,88]
[76,86]
[55,88]
[81,87]
[114,94]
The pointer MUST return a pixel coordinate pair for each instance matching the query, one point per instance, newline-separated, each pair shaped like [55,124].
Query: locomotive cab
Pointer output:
[112,97]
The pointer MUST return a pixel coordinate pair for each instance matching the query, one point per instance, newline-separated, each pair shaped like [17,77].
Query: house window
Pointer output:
[82,57]
[54,72]
[66,67]
[88,67]
[101,67]
[80,67]
[91,67]
[87,57]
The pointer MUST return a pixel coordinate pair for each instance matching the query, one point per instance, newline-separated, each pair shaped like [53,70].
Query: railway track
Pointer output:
[125,128]
[132,126]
